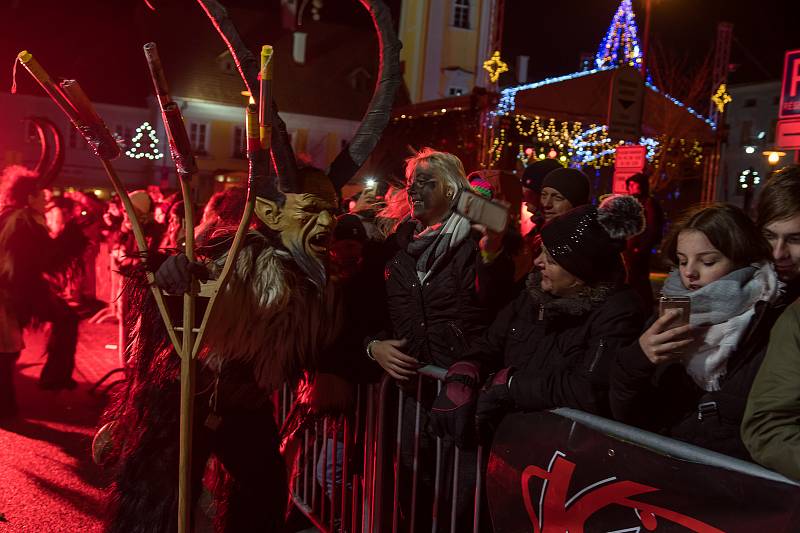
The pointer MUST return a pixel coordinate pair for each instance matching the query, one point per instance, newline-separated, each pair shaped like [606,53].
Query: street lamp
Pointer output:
[773,157]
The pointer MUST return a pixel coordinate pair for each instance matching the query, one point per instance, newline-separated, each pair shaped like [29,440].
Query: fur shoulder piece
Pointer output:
[269,316]
[585,301]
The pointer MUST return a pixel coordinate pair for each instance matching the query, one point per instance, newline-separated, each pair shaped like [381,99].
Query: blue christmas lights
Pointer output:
[620,38]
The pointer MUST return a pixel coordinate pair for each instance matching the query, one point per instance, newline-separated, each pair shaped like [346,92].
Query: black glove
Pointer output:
[453,411]
[493,402]
[176,273]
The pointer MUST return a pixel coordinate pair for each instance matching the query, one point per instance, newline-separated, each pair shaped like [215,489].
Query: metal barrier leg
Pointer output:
[397,461]
[415,460]
[437,479]
[454,502]
[476,517]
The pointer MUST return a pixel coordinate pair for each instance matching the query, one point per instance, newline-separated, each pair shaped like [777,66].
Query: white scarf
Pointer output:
[430,245]
[720,314]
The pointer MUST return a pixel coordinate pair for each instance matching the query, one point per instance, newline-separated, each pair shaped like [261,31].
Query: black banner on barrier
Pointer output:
[548,474]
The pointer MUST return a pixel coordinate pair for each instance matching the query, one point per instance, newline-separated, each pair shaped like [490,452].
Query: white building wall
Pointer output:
[82,169]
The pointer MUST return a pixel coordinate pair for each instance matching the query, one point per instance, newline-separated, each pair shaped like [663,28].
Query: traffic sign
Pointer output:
[790,89]
[787,134]
[626,101]
[630,159]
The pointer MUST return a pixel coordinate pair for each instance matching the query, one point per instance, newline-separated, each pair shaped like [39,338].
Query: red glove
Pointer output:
[453,412]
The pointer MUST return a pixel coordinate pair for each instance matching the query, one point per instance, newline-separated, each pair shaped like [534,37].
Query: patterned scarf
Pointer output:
[720,314]
[431,244]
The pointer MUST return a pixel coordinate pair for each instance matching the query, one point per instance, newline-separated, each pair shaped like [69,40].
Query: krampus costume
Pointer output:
[273,317]
[29,260]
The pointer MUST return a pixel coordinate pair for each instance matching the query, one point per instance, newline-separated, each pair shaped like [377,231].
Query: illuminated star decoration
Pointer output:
[495,66]
[620,45]
[721,98]
[136,151]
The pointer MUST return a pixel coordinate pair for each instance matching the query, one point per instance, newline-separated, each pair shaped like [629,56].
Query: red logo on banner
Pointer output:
[557,513]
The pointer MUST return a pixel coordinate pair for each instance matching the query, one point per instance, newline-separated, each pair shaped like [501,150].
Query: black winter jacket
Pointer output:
[453,308]
[561,348]
[665,399]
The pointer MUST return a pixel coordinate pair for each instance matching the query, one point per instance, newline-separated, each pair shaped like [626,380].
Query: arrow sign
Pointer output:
[626,103]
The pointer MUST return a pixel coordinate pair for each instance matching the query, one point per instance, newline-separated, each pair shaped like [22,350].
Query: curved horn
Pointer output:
[51,156]
[377,116]
[248,65]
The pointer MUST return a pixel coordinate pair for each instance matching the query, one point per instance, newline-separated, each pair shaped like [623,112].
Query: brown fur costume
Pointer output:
[270,322]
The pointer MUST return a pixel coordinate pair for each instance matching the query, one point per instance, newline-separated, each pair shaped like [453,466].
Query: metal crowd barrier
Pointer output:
[341,491]
[349,474]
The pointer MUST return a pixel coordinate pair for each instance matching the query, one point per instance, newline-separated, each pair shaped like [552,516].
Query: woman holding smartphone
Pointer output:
[690,379]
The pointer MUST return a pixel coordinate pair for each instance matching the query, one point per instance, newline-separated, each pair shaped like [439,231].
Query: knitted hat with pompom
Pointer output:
[587,241]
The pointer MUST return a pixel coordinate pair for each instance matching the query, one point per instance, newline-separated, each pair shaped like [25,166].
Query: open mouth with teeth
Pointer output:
[320,242]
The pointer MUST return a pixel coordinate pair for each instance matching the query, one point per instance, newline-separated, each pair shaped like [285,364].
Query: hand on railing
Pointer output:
[493,402]
[176,273]
[396,363]
[453,411]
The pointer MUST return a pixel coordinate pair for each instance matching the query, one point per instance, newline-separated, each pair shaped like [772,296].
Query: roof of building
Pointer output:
[336,80]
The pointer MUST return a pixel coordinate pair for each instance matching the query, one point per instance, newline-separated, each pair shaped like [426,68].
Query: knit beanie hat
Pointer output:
[571,183]
[481,185]
[587,241]
[534,173]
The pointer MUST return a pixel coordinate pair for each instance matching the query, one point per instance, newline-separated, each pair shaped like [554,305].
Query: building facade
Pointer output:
[445,43]
[751,118]
[82,169]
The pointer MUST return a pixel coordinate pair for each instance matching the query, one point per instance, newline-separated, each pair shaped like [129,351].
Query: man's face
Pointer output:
[634,189]
[784,239]
[554,203]
[427,196]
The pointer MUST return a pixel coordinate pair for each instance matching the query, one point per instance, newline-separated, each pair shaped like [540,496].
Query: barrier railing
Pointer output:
[368,470]
[338,490]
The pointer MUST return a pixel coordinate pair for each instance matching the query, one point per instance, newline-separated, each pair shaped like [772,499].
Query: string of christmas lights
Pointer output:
[540,138]
[136,151]
[620,46]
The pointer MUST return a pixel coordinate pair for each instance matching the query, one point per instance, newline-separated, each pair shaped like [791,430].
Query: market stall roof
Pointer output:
[584,97]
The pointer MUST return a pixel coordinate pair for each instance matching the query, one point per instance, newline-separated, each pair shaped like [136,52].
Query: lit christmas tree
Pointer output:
[151,152]
[620,46]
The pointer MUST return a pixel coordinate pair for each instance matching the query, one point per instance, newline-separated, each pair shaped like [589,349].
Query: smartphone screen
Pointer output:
[682,303]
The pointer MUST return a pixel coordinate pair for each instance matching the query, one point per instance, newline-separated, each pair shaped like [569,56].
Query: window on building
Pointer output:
[455,91]
[198,136]
[750,102]
[239,143]
[746,133]
[461,14]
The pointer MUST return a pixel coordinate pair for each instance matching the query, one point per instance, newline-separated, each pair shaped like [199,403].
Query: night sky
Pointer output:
[99,41]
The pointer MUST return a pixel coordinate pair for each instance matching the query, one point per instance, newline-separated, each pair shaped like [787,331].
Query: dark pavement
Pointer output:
[48,482]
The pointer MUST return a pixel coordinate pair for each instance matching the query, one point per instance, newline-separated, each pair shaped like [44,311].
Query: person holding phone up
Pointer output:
[689,374]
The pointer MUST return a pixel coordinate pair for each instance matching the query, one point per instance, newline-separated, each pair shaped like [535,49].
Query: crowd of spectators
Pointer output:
[551,313]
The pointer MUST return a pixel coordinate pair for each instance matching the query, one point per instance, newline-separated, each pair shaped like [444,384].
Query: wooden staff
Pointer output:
[82,115]
[186,166]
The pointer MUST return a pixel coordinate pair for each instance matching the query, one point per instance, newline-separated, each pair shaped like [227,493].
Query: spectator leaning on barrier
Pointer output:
[443,286]
[691,381]
[556,341]
[770,427]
